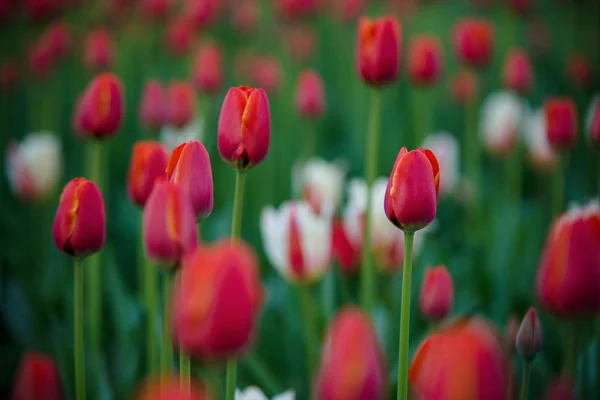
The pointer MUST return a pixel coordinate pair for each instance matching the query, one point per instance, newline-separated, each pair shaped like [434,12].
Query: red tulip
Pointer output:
[9,74]
[342,248]
[437,293]
[244,127]
[59,38]
[521,6]
[170,388]
[148,163]
[568,277]
[310,95]
[293,9]
[266,73]
[37,378]
[594,122]
[179,35]
[463,360]
[411,196]
[181,103]
[473,41]
[217,297]
[425,60]
[155,9]
[348,10]
[529,337]
[352,363]
[153,106]
[208,69]
[517,73]
[245,16]
[189,166]
[464,86]
[169,223]
[203,12]
[100,110]
[580,71]
[80,224]
[562,388]
[40,58]
[378,50]
[301,41]
[98,51]
[40,9]
[561,122]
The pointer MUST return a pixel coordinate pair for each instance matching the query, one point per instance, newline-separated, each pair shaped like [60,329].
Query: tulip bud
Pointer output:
[568,277]
[540,154]
[517,73]
[37,10]
[464,86]
[155,9]
[179,35]
[594,122]
[296,9]
[473,41]
[37,378]
[320,182]
[245,17]
[579,71]
[347,254]
[411,196]
[244,127]
[9,74]
[446,150]
[40,59]
[153,106]
[425,60]
[301,41]
[189,166]
[310,95]
[208,69]
[203,12]
[297,241]
[80,224]
[58,37]
[561,122]
[500,122]
[378,50]
[437,293]
[217,297]
[170,388]
[181,103]
[98,51]
[529,336]
[148,163]
[266,73]
[348,10]
[352,364]
[463,360]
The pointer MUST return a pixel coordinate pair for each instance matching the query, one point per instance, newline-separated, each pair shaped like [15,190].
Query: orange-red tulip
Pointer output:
[352,363]
[579,71]
[473,41]
[594,122]
[425,60]
[411,196]
[529,337]
[217,297]
[244,127]
[170,388]
[437,293]
[378,50]
[464,86]
[153,106]
[561,122]
[98,51]
[37,378]
[79,227]
[208,68]
[181,103]
[148,163]
[463,360]
[568,277]
[310,94]
[517,73]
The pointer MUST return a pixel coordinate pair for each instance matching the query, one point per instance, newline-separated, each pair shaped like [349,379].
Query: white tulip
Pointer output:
[318,181]
[501,116]
[445,147]
[172,137]
[254,393]
[540,153]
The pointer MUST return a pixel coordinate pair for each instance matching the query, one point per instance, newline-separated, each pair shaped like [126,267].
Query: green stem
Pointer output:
[367,278]
[149,276]
[571,350]
[309,140]
[310,333]
[525,381]
[405,318]
[421,115]
[185,371]
[78,328]
[262,374]
[558,186]
[166,348]
[231,378]
[473,161]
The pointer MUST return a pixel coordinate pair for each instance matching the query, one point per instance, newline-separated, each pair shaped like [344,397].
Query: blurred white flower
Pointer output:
[297,241]
[540,154]
[445,147]
[501,115]
[254,393]
[172,137]
[318,181]
[34,166]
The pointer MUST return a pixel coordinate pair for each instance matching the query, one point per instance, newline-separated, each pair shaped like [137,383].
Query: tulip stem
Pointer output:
[525,381]
[421,115]
[148,275]
[309,141]
[231,378]
[185,371]
[473,161]
[166,348]
[78,328]
[558,186]
[309,330]
[367,278]
[405,318]
[571,351]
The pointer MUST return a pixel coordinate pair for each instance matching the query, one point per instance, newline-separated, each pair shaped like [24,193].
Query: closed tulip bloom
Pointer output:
[301,41]
[437,293]
[59,38]
[347,254]
[254,393]
[100,110]
[378,50]
[37,378]
[244,127]
[79,227]
[463,86]
[320,182]
[411,196]
[170,388]
[179,35]
[447,151]
[529,336]
[208,69]
[148,163]
[203,12]
[266,73]
[425,60]
[568,277]
[462,360]
[473,41]
[579,71]
[295,9]
[217,299]
[153,107]
[348,10]
[98,51]
[181,103]
[155,9]
[310,95]
[189,166]
[169,224]
[593,122]
[561,122]
[540,154]
[352,364]
[517,73]
[245,16]
[501,115]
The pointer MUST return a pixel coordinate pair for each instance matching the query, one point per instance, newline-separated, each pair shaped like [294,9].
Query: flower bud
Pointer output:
[170,388]
[437,293]
[352,364]
[473,41]
[153,107]
[98,51]
[203,12]
[594,122]
[529,336]
[320,182]
[463,86]
[266,73]
[244,127]
[378,50]
[301,41]
[517,72]
[446,150]
[179,35]
[169,224]
[310,95]
[425,60]
[561,122]
[37,378]
[501,114]
[411,195]
[579,71]
[208,69]
[217,297]
[245,17]
[80,224]
[155,10]
[148,163]
[181,103]
[296,9]
[343,249]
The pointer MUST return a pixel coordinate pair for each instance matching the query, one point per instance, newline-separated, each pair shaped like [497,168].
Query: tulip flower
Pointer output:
[517,73]
[169,224]
[378,50]
[9,74]
[37,378]
[155,9]
[463,360]
[561,388]
[153,106]
[217,297]
[437,293]
[189,166]
[579,71]
[37,10]
[179,35]
[561,122]
[254,393]
[464,86]
[244,127]
[100,110]
[295,9]
[348,10]
[34,166]
[352,364]
[58,37]
[520,7]
[208,69]
[310,95]
[529,336]
[425,62]
[320,182]
[301,40]
[41,59]
[245,17]
[98,51]
[501,114]
[297,241]
[148,163]
[172,137]
[181,103]
[266,73]
[170,388]
[541,155]
[568,277]
[347,254]
[593,124]
[446,150]
[203,12]
[473,41]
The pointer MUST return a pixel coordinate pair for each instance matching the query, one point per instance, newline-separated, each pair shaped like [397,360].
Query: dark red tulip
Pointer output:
[153,107]
[473,41]
[310,95]
[425,62]
[6,9]
[207,72]
[294,9]
[59,38]
[561,122]
[594,122]
[517,72]
[203,12]
[529,337]
[561,388]
[40,59]
[378,50]
[37,378]
[521,7]
[579,71]
[464,86]
[179,35]
[98,51]
[40,9]
[181,103]
[348,10]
